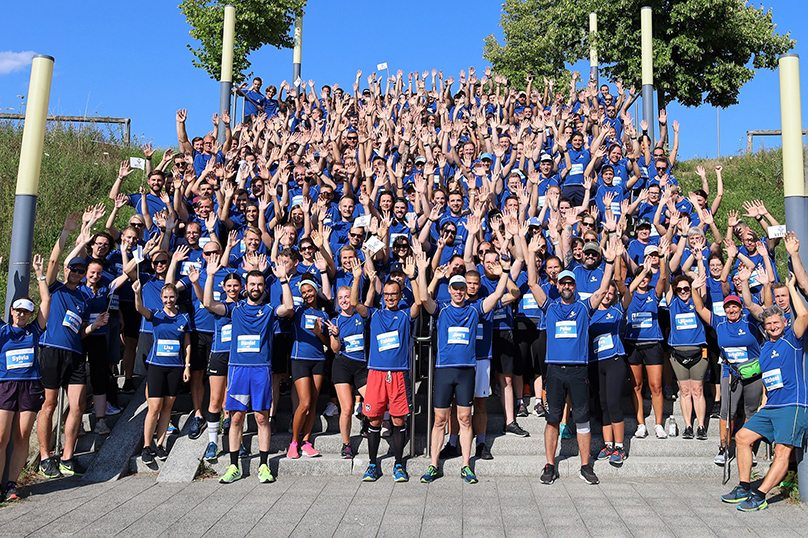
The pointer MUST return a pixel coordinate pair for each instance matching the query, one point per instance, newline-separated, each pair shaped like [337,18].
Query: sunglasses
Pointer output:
[356,235]
[78,270]
[137,224]
[210,252]
[307,247]
[682,290]
[159,262]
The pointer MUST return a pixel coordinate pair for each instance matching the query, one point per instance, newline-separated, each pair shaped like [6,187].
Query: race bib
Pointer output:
[583,295]
[248,343]
[227,333]
[577,169]
[480,334]
[566,329]
[19,358]
[203,241]
[642,320]
[308,322]
[186,266]
[217,295]
[500,313]
[354,343]
[458,335]
[605,342]
[773,379]
[529,302]
[72,321]
[167,348]
[718,310]
[736,354]
[615,207]
[542,199]
[296,200]
[297,300]
[113,302]
[686,322]
[387,341]
[753,279]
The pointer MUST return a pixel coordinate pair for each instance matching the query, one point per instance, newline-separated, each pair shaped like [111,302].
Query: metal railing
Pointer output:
[763,132]
[126,122]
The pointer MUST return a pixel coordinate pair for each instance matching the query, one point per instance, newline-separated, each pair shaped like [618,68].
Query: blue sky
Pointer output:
[130,59]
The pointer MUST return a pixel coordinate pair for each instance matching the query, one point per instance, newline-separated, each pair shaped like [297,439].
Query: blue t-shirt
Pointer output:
[251,342]
[68,310]
[19,350]
[686,327]
[642,318]
[307,346]
[567,331]
[738,341]
[169,334]
[783,370]
[605,328]
[389,339]
[352,336]
[457,334]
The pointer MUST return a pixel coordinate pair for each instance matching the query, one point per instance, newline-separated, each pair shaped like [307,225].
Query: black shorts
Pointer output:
[532,345]
[345,370]
[217,364]
[163,380]
[131,320]
[664,320]
[61,367]
[567,380]
[506,359]
[282,353]
[304,368]
[144,344]
[21,395]
[647,353]
[455,382]
[200,350]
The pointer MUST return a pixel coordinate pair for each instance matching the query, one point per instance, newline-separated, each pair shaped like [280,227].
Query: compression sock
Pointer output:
[399,435]
[264,456]
[213,431]
[480,438]
[234,457]
[374,438]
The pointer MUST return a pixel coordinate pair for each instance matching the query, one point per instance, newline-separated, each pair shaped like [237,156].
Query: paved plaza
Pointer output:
[345,506]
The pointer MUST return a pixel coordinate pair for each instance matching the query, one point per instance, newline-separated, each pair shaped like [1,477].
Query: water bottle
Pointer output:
[673,429]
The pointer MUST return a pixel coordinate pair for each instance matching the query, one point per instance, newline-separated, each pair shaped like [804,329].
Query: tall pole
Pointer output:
[647,69]
[33,141]
[226,77]
[296,80]
[593,51]
[793,163]
[718,130]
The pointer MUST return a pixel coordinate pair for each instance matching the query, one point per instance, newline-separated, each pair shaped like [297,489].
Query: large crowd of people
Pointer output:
[544,240]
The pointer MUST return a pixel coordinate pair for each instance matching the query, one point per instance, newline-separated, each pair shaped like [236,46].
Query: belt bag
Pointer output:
[687,357]
[749,369]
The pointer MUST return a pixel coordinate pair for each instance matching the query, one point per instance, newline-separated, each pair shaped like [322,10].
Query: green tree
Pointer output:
[702,48]
[258,23]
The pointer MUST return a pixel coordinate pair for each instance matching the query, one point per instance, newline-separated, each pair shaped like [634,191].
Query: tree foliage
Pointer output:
[704,50]
[258,23]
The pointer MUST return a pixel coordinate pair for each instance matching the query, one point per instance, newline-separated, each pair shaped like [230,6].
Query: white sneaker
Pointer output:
[386,429]
[101,427]
[112,410]
[754,459]
[660,432]
[331,410]
[642,431]
[357,410]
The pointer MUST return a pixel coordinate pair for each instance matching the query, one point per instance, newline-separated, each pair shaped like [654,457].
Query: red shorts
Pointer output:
[387,390]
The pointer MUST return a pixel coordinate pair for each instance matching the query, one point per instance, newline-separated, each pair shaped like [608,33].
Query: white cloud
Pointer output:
[15,61]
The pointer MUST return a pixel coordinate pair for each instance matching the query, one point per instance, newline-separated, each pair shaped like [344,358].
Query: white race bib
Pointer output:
[167,348]
[458,335]
[577,169]
[308,322]
[388,340]
[736,354]
[642,320]
[773,379]
[718,310]
[248,343]
[19,358]
[605,342]
[480,329]
[529,302]
[566,329]
[354,343]
[227,333]
[72,321]
[686,321]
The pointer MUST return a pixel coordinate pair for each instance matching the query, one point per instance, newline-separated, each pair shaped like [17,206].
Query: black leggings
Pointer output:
[95,349]
[611,379]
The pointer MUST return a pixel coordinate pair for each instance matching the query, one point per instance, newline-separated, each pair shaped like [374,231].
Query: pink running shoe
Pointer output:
[309,450]
[292,452]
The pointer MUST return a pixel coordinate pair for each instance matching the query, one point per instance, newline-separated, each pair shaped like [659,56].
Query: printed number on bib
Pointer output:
[686,322]
[354,343]
[248,343]
[167,348]
[773,379]
[19,358]
[458,335]
[72,321]
[566,329]
[388,340]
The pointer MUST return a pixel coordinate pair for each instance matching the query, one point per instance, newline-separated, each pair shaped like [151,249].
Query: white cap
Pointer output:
[23,304]
[457,280]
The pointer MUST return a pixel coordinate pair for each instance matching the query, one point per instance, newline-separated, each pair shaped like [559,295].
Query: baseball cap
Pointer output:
[592,246]
[546,157]
[396,267]
[23,304]
[420,159]
[732,299]
[488,156]
[566,274]
[78,260]
[457,281]
[650,249]
[643,223]
[533,221]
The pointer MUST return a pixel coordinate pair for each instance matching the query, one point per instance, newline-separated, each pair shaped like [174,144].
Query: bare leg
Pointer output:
[466,435]
[439,432]
[76,397]
[45,422]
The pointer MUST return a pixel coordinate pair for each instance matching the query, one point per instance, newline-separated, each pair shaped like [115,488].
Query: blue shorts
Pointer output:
[781,425]
[249,388]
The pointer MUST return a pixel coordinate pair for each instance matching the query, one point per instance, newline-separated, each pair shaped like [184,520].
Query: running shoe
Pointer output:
[147,455]
[641,431]
[618,456]
[753,503]
[231,474]
[161,453]
[264,474]
[293,453]
[331,410]
[112,410]
[347,451]
[790,480]
[197,426]
[400,474]
[387,430]
[514,429]
[273,426]
[468,475]
[588,475]
[605,452]
[565,431]
[538,409]
[659,429]
[701,433]
[448,452]
[357,410]
[521,410]
[364,430]
[754,460]
[211,452]
[11,491]
[101,427]
[242,451]
[226,425]
[716,410]
[688,432]
[308,450]
[372,474]
[483,452]
[430,475]
[549,475]
[172,430]
[737,495]
[721,458]
[70,468]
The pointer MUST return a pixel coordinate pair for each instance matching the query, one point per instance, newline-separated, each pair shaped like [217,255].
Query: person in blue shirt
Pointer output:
[21,390]
[455,368]
[783,420]
[567,359]
[169,364]
[249,369]
[388,385]
[254,101]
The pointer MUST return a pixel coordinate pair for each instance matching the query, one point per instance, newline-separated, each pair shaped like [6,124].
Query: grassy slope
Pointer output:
[78,170]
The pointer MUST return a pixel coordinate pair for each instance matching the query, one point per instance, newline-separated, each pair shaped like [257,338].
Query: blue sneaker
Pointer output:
[172,430]
[211,452]
[737,495]
[242,451]
[468,475]
[400,474]
[197,426]
[753,503]
[430,475]
[372,474]
[226,426]
[565,432]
